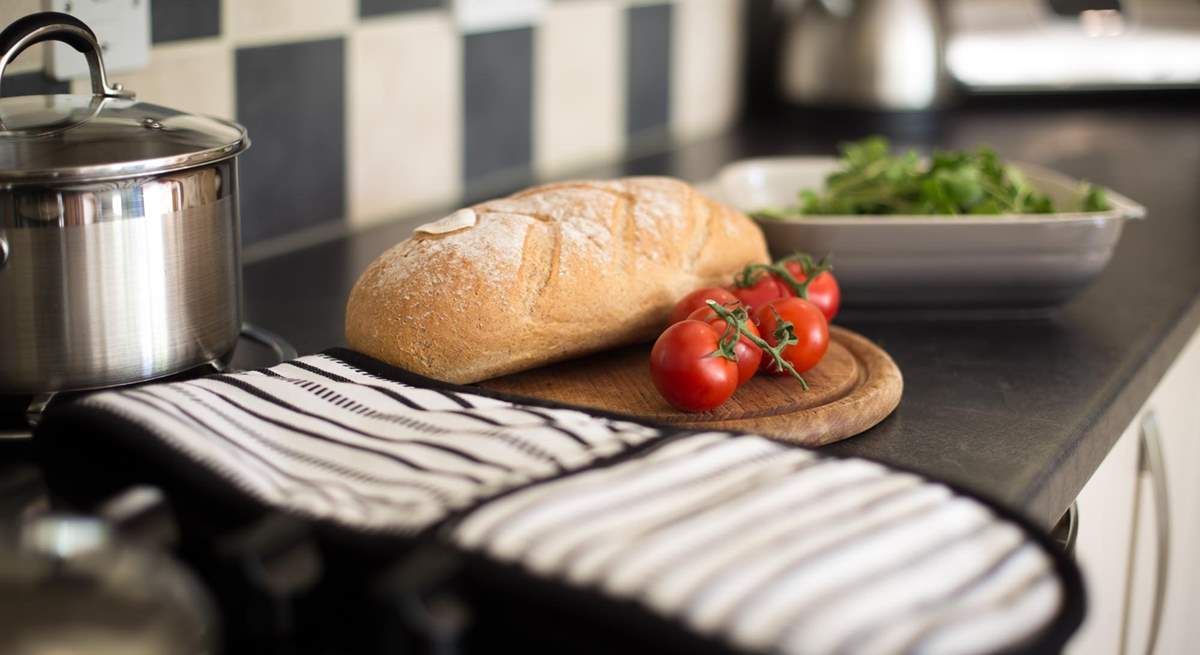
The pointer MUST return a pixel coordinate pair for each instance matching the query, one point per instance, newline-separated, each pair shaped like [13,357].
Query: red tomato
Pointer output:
[748,354]
[823,292]
[684,372]
[767,288]
[809,325]
[696,299]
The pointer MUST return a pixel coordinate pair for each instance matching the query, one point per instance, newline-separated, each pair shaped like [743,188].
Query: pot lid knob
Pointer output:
[56,26]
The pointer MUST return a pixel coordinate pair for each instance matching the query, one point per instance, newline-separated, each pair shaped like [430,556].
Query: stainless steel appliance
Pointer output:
[1066,45]
[119,232]
[880,54]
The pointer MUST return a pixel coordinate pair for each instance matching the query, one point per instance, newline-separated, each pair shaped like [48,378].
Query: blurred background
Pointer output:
[368,116]
[415,104]
[412,103]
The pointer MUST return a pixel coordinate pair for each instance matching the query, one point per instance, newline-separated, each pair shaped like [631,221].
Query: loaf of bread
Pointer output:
[547,274]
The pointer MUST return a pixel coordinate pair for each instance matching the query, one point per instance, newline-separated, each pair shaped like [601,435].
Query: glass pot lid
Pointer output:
[104,136]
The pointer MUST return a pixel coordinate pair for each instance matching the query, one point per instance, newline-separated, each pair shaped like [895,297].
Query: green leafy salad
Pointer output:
[872,180]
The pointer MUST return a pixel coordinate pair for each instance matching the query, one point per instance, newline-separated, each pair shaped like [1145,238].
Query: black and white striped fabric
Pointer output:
[330,441]
[779,550]
[743,540]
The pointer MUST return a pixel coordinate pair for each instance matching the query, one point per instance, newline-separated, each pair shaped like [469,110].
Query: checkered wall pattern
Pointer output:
[369,110]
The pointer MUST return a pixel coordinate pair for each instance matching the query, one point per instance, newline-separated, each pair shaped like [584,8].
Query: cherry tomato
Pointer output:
[823,292]
[809,325]
[684,371]
[748,354]
[767,288]
[696,299]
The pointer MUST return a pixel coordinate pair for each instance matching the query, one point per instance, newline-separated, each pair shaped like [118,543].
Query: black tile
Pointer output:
[31,84]
[291,98]
[173,20]
[648,70]
[498,102]
[378,7]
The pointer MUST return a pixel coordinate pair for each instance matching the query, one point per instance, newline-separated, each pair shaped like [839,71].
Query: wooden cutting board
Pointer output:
[855,386]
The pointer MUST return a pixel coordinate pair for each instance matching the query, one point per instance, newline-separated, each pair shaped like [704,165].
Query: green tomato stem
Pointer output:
[785,336]
[751,274]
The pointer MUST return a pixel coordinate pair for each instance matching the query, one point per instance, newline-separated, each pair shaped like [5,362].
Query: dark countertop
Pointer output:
[1023,410]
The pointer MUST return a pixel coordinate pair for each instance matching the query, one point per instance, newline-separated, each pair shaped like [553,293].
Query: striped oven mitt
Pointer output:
[705,540]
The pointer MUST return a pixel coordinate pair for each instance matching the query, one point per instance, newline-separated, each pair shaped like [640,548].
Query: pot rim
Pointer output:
[11,179]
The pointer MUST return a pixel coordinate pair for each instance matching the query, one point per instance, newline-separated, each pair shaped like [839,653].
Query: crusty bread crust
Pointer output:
[549,273]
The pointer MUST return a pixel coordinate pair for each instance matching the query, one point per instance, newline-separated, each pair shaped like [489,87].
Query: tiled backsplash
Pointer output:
[367,110]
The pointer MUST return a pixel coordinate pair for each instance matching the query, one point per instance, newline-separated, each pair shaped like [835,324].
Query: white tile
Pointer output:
[258,22]
[404,116]
[579,81]
[706,63]
[122,27]
[11,10]
[193,76]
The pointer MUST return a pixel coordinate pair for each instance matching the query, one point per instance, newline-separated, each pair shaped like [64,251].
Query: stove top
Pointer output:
[256,348]
[253,582]
[248,580]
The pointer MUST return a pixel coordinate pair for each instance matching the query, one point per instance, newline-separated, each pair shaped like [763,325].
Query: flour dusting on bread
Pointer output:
[549,273]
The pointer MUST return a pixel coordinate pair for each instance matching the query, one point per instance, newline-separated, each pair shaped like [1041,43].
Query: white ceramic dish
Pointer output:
[1006,261]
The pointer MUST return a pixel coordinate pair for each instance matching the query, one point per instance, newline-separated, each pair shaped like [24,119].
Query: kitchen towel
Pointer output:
[746,543]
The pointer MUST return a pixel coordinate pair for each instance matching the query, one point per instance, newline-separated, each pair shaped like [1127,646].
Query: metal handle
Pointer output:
[55,26]
[1066,531]
[1152,464]
[282,350]
[3,250]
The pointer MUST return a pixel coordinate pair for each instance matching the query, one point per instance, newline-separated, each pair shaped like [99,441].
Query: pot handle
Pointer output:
[55,26]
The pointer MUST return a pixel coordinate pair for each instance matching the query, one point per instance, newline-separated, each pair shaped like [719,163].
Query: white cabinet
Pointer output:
[1174,408]
[1144,496]
[1102,547]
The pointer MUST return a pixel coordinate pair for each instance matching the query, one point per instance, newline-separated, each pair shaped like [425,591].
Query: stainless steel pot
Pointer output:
[119,232]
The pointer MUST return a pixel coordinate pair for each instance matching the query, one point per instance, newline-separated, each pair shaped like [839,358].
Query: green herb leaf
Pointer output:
[1094,199]
[870,179]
